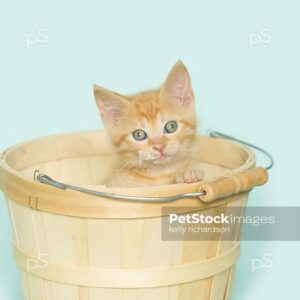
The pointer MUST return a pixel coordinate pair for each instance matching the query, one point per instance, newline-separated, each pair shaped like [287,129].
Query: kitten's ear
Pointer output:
[178,86]
[110,105]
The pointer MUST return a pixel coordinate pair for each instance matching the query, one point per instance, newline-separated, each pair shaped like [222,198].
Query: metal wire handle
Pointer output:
[48,180]
[43,178]
[213,133]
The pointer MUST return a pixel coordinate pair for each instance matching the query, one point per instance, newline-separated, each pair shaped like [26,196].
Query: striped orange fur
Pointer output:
[161,152]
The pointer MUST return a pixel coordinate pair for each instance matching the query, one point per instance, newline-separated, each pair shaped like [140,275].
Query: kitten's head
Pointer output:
[152,127]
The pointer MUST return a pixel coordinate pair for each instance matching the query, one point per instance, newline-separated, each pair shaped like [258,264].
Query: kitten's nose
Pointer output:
[159,148]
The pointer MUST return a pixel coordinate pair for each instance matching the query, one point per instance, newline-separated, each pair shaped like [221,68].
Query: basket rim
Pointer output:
[36,195]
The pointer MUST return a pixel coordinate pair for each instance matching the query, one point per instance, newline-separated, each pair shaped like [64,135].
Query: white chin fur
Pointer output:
[162,161]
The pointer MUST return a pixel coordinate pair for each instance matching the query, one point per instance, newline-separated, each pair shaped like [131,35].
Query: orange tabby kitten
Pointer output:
[153,132]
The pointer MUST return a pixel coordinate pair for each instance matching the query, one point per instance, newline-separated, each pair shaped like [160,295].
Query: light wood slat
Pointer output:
[62,291]
[35,288]
[80,245]
[219,286]
[133,231]
[105,294]
[105,243]
[129,294]
[220,281]
[153,293]
[26,233]
[176,255]
[61,241]
[173,292]
[24,285]
[194,251]
[155,252]
[38,224]
[105,240]
[194,290]
[83,293]
[229,284]
[17,241]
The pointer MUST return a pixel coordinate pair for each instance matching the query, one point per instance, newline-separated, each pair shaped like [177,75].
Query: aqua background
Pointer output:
[248,90]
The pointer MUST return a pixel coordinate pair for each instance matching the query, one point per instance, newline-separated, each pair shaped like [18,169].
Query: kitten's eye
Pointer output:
[171,127]
[139,135]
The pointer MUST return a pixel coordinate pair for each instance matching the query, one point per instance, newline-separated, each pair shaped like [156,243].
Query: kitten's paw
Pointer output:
[189,176]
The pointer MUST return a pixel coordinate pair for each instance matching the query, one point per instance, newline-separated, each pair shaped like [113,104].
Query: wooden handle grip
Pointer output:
[233,184]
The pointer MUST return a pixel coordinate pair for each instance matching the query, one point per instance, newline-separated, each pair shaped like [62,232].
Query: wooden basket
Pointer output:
[71,245]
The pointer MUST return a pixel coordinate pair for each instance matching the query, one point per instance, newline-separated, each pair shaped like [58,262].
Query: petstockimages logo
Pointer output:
[213,224]
[231,223]
[198,219]
[221,219]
